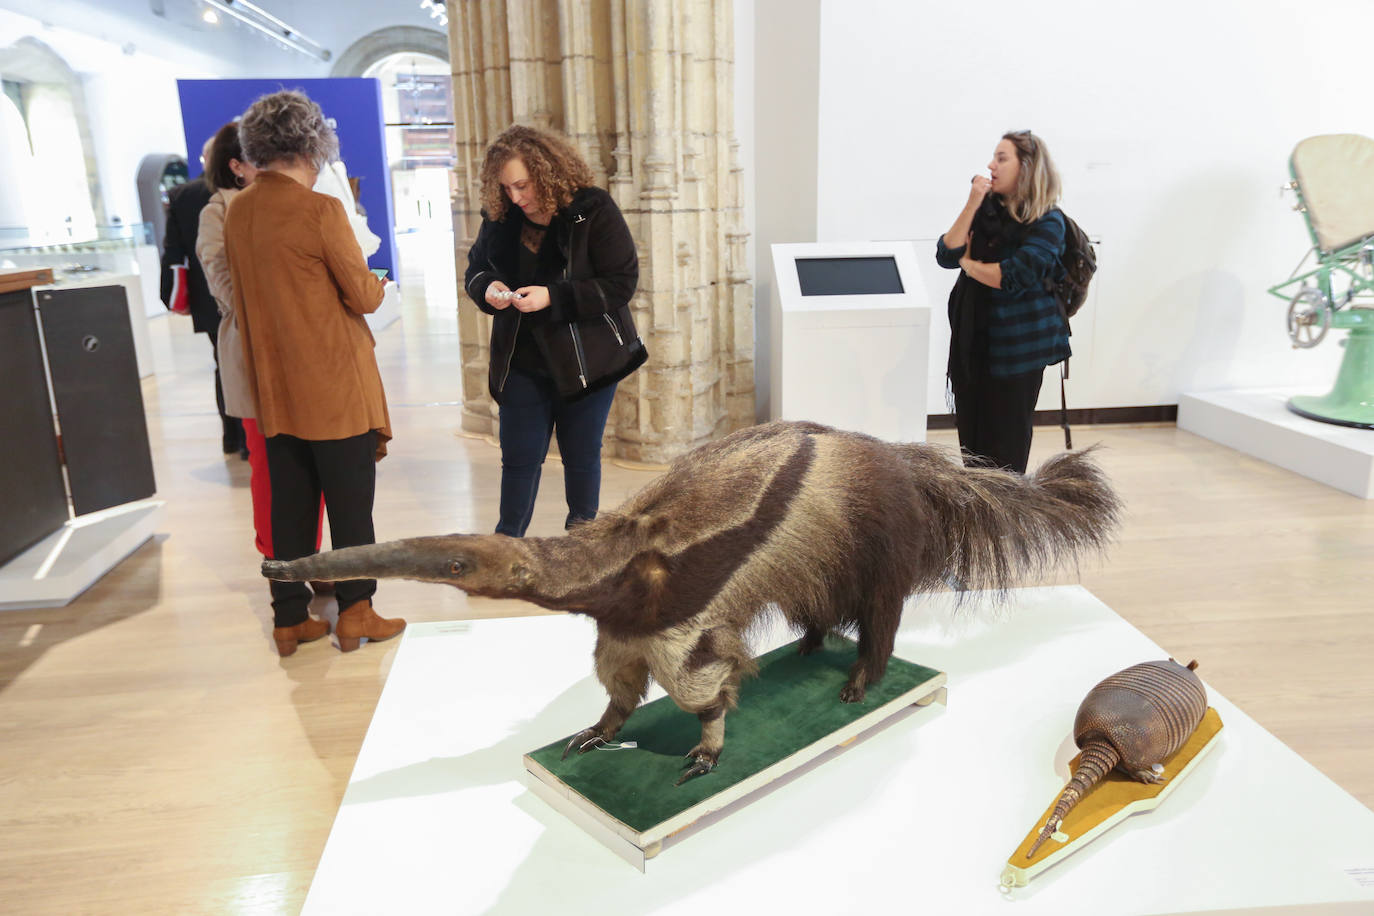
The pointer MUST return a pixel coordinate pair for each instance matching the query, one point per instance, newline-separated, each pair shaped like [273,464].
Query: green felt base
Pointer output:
[792,704]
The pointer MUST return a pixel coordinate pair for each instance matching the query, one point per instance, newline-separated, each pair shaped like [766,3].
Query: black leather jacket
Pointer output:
[586,335]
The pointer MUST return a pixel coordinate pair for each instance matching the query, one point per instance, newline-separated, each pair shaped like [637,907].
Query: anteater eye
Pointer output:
[457,568]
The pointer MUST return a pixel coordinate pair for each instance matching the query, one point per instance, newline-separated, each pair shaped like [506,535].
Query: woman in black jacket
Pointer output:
[556,272]
[1005,325]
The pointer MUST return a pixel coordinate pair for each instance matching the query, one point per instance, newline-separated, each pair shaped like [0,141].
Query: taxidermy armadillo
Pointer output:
[1132,721]
[834,528]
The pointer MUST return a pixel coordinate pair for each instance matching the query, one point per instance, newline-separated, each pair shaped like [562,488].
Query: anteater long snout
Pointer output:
[405,559]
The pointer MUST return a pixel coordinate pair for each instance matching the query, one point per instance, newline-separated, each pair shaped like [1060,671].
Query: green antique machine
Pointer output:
[1333,178]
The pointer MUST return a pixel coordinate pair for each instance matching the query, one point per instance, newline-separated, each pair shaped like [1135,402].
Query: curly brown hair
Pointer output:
[286,126]
[556,168]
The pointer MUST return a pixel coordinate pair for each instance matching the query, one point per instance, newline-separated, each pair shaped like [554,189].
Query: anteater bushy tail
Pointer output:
[1002,528]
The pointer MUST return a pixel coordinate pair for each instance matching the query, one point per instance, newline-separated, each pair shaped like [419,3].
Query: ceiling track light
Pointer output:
[257,17]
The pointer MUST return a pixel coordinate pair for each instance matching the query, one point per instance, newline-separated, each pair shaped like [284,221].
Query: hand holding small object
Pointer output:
[532,298]
[499,295]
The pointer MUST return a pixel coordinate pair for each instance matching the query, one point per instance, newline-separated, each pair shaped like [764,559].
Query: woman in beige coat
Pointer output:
[300,291]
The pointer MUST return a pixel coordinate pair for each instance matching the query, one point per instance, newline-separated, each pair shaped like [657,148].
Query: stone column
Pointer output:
[645,89]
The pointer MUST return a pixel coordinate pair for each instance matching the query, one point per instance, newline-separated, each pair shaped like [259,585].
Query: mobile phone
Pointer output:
[380,272]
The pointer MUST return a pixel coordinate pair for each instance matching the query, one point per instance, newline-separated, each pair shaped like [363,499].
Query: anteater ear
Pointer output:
[519,575]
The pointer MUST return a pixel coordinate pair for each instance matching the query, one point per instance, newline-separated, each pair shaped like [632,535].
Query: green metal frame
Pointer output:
[1351,401]
[1355,261]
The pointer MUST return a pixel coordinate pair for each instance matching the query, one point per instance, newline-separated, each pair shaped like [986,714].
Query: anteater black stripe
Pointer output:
[627,604]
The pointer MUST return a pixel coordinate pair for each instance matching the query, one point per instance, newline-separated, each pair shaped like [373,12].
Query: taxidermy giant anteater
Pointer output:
[835,528]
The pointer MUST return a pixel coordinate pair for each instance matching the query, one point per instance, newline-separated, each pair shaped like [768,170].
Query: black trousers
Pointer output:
[232,436]
[994,417]
[345,471]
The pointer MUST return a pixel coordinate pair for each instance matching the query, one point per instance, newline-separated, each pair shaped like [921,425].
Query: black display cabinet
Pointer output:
[84,339]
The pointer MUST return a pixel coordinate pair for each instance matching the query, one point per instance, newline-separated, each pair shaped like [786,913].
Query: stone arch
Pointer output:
[399,39]
[29,60]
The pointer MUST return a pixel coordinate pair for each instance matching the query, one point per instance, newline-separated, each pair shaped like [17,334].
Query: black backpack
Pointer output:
[1070,289]
[1079,262]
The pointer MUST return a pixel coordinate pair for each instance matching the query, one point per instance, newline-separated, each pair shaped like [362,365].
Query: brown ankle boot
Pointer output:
[286,638]
[359,620]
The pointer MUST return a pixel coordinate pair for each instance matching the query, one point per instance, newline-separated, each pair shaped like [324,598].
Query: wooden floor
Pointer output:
[157,757]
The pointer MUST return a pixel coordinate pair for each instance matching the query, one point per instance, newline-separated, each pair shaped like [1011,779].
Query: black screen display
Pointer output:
[849,276]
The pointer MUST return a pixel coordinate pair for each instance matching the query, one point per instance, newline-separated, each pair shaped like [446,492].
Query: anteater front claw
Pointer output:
[585,740]
[702,762]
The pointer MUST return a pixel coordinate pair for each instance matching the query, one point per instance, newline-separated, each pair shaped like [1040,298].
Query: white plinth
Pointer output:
[853,361]
[860,370]
[388,311]
[54,571]
[150,280]
[920,816]
[1259,423]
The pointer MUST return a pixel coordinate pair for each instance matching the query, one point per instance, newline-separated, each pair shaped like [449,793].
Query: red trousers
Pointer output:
[260,483]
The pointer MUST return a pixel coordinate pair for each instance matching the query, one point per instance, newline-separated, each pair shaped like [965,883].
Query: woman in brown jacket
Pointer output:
[227,173]
[301,289]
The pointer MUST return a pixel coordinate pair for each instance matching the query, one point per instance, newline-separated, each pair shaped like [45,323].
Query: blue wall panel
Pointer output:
[355,103]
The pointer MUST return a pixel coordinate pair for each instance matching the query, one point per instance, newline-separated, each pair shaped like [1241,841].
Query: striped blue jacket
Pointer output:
[1025,330]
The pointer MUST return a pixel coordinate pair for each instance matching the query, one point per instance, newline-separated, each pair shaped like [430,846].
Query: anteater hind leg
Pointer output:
[877,634]
[811,640]
[625,679]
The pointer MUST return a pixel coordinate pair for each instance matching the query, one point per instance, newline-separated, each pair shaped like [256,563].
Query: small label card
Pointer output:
[1364,877]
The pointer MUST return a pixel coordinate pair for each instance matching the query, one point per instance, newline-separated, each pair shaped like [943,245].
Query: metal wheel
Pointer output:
[1309,318]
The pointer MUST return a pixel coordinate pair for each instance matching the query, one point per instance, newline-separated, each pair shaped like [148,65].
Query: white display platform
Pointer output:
[150,279]
[1259,423]
[53,572]
[854,361]
[388,311]
[919,816]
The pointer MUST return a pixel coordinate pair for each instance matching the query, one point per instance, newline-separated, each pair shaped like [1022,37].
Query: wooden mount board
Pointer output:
[1107,804]
[11,280]
[592,801]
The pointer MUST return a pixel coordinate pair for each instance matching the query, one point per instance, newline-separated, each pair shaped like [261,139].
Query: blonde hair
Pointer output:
[287,126]
[1037,181]
[557,169]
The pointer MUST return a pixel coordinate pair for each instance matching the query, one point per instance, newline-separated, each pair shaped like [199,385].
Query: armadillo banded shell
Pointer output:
[1134,719]
[1146,712]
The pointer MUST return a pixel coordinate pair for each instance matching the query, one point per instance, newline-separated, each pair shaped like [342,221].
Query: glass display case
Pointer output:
[114,251]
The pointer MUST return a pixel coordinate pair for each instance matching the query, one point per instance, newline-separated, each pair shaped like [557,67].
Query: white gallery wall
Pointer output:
[1171,123]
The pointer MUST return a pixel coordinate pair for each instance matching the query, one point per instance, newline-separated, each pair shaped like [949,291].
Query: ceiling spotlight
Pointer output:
[437,11]
[210,16]
[258,18]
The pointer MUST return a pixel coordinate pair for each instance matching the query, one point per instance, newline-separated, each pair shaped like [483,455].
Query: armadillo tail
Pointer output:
[1098,759]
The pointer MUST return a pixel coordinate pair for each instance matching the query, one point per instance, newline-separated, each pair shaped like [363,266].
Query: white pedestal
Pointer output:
[854,362]
[1259,423]
[388,311]
[863,370]
[923,818]
[150,278]
[60,567]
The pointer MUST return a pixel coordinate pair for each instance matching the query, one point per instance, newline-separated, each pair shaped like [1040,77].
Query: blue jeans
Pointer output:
[530,413]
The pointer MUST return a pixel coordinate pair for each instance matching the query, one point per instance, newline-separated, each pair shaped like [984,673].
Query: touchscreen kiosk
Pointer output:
[855,335]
